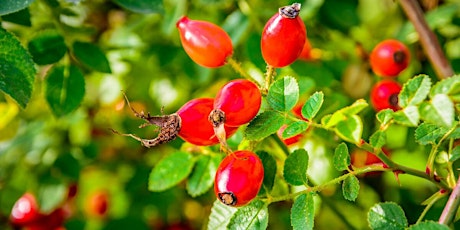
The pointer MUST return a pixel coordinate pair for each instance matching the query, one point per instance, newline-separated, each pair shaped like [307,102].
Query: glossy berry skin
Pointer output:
[283,37]
[205,43]
[195,127]
[384,95]
[240,101]
[25,210]
[389,58]
[52,221]
[238,178]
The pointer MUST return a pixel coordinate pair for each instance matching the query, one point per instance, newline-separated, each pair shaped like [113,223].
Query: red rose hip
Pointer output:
[384,95]
[238,178]
[389,58]
[25,210]
[205,43]
[283,37]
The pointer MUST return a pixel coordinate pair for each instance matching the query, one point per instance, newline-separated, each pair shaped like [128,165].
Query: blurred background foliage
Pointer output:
[133,46]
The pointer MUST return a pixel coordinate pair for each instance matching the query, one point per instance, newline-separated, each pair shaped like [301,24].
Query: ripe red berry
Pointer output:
[52,221]
[25,210]
[195,127]
[283,37]
[389,58]
[384,95]
[239,101]
[239,178]
[205,43]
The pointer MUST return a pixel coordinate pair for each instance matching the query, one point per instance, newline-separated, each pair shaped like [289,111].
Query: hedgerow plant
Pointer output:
[280,139]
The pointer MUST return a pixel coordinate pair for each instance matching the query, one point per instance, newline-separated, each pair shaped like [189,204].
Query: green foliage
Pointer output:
[264,125]
[386,216]
[341,159]
[17,71]
[295,167]
[170,171]
[252,216]
[313,105]
[283,94]
[202,176]
[91,56]
[303,212]
[350,188]
[269,164]
[295,128]
[11,6]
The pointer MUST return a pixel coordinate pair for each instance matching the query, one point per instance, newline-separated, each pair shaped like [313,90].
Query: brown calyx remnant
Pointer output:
[228,198]
[399,57]
[169,127]
[217,119]
[291,11]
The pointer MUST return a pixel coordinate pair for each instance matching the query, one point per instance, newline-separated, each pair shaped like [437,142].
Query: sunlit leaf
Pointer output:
[283,94]
[350,129]
[170,170]
[455,155]
[220,216]
[440,110]
[409,116]
[429,133]
[295,128]
[341,159]
[295,167]
[414,91]
[312,105]
[449,86]
[378,139]
[263,125]
[346,112]
[251,216]
[386,216]
[428,225]
[303,212]
[10,6]
[17,71]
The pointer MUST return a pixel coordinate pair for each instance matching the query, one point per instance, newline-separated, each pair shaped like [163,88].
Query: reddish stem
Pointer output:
[428,39]
[452,205]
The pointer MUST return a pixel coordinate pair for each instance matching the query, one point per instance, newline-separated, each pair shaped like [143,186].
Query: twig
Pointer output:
[428,39]
[451,207]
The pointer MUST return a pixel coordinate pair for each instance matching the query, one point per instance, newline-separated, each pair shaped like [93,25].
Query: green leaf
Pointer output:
[51,195]
[236,24]
[312,105]
[439,111]
[283,94]
[142,6]
[449,86]
[378,139]
[252,216]
[455,155]
[303,212]
[65,89]
[220,215]
[91,56]
[344,113]
[350,129]
[295,128]
[10,6]
[414,91]
[429,133]
[47,48]
[350,188]
[386,216]
[17,71]
[385,116]
[428,225]
[202,177]
[341,159]
[409,116]
[269,164]
[21,17]
[170,171]
[295,167]
[263,125]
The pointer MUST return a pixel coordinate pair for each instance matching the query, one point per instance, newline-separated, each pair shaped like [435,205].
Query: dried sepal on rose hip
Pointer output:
[283,37]
[236,104]
[389,58]
[205,43]
[190,123]
[238,178]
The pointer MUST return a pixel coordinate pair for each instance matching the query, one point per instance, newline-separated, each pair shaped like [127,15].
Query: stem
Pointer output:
[269,76]
[452,205]
[432,200]
[428,39]
[237,67]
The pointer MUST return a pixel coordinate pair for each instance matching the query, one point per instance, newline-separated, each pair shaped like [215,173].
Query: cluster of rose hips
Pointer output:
[208,121]
[26,213]
[388,59]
